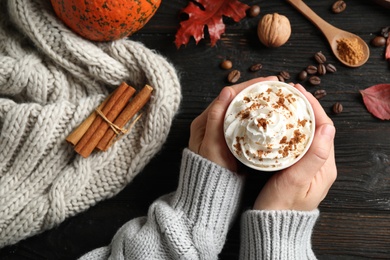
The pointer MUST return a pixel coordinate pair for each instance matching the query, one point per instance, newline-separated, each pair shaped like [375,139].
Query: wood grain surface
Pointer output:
[355,216]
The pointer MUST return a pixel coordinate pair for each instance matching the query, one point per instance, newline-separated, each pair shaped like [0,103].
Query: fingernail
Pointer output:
[328,131]
[225,94]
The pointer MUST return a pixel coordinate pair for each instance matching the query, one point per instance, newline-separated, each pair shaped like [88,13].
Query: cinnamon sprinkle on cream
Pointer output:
[262,122]
[302,122]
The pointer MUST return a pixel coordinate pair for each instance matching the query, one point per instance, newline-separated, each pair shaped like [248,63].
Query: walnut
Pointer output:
[274,30]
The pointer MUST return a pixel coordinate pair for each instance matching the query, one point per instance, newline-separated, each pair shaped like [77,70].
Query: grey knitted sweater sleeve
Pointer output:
[274,234]
[192,222]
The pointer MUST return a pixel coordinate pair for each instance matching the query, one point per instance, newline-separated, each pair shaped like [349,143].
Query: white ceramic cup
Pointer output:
[269,126]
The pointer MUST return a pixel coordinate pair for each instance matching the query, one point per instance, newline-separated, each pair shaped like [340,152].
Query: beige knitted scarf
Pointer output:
[50,81]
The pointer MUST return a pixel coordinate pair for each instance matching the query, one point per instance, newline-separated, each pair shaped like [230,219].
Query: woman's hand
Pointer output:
[305,184]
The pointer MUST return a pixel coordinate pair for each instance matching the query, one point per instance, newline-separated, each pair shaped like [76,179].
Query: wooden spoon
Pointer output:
[332,34]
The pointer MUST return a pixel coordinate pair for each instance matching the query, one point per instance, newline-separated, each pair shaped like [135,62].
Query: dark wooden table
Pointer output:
[355,216]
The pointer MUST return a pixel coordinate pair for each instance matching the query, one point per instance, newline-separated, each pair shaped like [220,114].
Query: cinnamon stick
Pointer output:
[128,112]
[114,106]
[78,133]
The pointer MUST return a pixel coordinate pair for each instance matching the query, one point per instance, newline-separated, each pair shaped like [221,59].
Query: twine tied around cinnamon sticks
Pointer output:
[106,124]
[117,130]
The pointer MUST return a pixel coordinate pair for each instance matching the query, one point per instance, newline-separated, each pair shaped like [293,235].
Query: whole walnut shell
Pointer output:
[274,30]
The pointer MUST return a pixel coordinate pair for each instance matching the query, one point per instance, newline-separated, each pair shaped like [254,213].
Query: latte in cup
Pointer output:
[269,125]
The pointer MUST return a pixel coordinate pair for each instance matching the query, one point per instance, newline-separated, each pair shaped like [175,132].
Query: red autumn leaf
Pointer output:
[211,16]
[377,100]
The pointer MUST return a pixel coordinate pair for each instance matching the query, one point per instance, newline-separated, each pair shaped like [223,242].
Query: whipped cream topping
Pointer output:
[269,125]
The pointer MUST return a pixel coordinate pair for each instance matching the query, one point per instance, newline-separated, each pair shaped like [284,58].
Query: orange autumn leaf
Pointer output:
[377,100]
[208,13]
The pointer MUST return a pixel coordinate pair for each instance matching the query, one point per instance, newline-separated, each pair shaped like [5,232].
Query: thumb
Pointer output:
[216,114]
[317,154]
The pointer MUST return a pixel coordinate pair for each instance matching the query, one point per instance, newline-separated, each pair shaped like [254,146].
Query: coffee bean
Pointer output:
[234,76]
[385,31]
[378,41]
[226,64]
[314,80]
[339,6]
[330,68]
[254,11]
[337,108]
[256,67]
[302,75]
[321,69]
[285,75]
[320,93]
[311,69]
[320,57]
[280,78]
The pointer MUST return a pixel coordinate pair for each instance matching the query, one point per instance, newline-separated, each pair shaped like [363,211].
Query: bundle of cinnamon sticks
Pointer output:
[105,124]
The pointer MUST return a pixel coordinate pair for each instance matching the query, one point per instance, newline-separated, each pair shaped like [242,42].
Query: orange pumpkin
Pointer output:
[105,20]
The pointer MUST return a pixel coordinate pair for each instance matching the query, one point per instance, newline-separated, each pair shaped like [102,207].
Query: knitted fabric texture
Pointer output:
[50,81]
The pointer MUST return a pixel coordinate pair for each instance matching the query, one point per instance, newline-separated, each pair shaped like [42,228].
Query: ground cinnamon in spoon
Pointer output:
[350,50]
